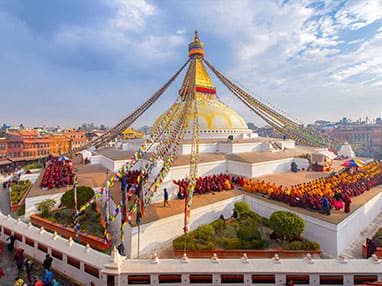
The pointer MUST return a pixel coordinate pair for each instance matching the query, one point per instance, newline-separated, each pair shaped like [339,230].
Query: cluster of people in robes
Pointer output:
[207,184]
[332,191]
[130,181]
[57,173]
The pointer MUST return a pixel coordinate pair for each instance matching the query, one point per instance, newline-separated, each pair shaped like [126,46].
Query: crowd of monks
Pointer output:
[130,182]
[207,184]
[336,188]
[57,173]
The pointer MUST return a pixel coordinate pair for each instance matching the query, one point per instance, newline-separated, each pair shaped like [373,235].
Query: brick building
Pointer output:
[30,145]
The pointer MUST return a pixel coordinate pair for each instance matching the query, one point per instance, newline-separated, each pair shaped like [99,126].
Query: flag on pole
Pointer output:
[75,182]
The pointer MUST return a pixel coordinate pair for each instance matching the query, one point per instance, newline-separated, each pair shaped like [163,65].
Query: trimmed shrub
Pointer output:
[242,208]
[84,194]
[32,166]
[309,245]
[378,237]
[248,233]
[45,206]
[19,190]
[245,244]
[232,243]
[286,225]
[265,221]
[260,244]
[21,210]
[294,245]
[178,243]
[204,232]
[231,229]
[205,246]
[218,225]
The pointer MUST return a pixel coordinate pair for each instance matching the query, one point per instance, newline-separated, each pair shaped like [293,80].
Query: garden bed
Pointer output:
[18,194]
[247,232]
[61,221]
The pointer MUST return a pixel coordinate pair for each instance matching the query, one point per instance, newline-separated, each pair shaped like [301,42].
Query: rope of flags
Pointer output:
[193,169]
[280,122]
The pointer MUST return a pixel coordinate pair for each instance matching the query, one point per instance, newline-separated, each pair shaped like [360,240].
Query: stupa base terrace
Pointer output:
[161,225]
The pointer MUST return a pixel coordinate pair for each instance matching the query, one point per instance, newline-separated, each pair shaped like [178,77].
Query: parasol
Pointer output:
[353,163]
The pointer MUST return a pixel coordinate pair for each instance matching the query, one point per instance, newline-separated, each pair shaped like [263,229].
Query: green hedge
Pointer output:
[378,237]
[32,166]
[204,232]
[242,208]
[248,233]
[243,233]
[84,194]
[286,225]
[19,190]
[304,244]
[21,211]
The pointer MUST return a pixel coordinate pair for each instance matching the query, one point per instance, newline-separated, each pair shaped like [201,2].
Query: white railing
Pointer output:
[69,258]
[245,271]
[85,264]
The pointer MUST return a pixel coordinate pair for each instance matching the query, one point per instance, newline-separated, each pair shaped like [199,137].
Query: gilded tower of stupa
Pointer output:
[216,120]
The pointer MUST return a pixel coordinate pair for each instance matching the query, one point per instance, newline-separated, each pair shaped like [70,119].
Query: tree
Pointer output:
[84,194]
[45,206]
[242,208]
[286,225]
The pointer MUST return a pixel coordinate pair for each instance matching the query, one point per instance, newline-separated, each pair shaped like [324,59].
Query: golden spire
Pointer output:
[196,47]
[197,40]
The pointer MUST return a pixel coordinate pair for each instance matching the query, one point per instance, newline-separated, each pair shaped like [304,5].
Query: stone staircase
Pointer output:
[355,249]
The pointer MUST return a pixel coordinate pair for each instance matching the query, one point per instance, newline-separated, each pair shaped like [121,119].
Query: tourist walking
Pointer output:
[47,279]
[47,261]
[19,259]
[29,269]
[11,243]
[165,196]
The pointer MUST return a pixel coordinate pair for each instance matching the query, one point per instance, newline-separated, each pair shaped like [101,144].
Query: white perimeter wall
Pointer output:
[161,232]
[349,229]
[264,168]
[333,239]
[185,149]
[249,147]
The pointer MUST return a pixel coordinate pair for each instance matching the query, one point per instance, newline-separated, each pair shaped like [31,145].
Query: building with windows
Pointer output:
[25,145]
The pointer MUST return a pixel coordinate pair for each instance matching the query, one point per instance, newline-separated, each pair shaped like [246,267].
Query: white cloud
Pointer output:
[357,69]
[358,14]
[299,52]
[131,14]
[126,34]
[180,31]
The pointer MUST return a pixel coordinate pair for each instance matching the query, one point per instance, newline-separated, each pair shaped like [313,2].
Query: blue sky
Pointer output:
[68,62]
